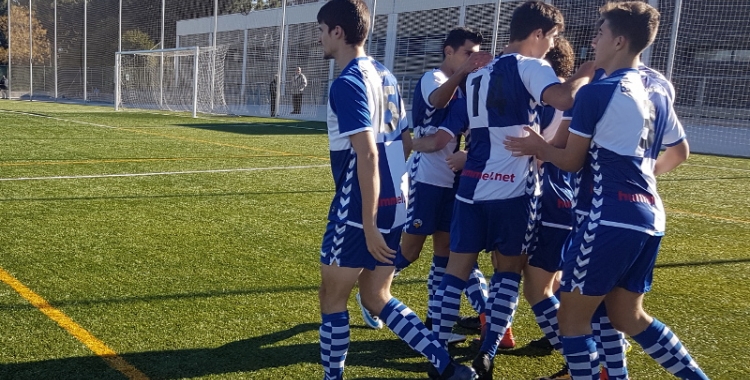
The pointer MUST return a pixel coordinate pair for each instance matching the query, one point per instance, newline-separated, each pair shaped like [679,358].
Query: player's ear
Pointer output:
[620,42]
[539,34]
[448,50]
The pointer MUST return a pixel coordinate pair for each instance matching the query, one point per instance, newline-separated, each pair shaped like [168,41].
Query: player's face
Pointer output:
[545,43]
[462,54]
[326,41]
[603,44]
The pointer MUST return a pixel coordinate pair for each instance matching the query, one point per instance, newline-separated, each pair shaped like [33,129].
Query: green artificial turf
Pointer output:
[212,271]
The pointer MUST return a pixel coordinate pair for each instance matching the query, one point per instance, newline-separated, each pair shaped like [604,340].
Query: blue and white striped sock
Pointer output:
[476,290]
[546,317]
[437,270]
[445,306]
[402,321]
[501,305]
[610,344]
[582,357]
[666,348]
[334,344]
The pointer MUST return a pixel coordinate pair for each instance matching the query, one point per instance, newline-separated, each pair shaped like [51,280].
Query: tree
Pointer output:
[136,40]
[246,6]
[20,37]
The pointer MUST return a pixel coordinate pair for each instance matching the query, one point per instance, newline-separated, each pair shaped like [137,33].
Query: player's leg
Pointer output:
[441,249]
[596,259]
[541,280]
[625,309]
[343,255]
[375,291]
[538,290]
[335,288]
[577,338]
[501,306]
[509,235]
[467,238]
[611,345]
[407,252]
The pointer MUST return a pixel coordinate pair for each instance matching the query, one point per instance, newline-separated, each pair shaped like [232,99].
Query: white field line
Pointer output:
[60,119]
[163,173]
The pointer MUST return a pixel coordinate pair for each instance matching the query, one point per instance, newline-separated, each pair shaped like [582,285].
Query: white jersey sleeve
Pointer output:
[537,75]
[431,81]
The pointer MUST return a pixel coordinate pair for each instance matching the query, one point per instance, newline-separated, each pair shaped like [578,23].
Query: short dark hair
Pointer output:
[533,15]
[635,20]
[458,37]
[352,16]
[561,57]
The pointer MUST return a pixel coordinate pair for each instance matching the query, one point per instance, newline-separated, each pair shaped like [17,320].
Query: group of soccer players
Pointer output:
[618,116]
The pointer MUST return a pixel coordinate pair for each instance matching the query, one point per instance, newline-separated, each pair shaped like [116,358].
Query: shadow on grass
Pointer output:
[276,290]
[264,127]
[703,263]
[248,355]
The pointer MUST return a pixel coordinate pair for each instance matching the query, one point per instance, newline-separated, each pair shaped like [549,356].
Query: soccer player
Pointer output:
[369,140]
[492,211]
[433,183]
[555,218]
[617,130]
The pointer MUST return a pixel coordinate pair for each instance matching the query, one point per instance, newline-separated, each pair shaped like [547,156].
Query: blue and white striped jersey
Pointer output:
[365,97]
[628,118]
[557,185]
[502,98]
[431,168]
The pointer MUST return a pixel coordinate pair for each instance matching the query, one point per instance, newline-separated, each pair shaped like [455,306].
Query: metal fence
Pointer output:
[66,50]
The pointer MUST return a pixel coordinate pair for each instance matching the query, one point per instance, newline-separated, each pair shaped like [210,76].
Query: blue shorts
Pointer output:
[430,209]
[547,254]
[345,245]
[502,225]
[605,257]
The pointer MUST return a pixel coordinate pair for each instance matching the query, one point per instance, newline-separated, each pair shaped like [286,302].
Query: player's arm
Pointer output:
[433,143]
[369,186]
[672,157]
[408,143]
[560,139]
[457,160]
[456,121]
[441,97]
[674,138]
[586,114]
[562,95]
[570,158]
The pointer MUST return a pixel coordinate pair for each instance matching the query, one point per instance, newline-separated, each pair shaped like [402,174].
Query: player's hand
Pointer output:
[530,145]
[377,247]
[476,61]
[456,161]
[588,69]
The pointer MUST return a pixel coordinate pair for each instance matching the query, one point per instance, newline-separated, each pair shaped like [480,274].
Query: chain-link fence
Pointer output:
[65,50]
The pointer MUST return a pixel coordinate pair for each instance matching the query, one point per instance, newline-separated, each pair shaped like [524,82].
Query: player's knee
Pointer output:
[513,264]
[374,300]
[410,253]
[631,322]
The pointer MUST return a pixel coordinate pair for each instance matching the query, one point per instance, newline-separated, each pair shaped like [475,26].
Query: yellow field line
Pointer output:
[108,161]
[85,337]
[733,220]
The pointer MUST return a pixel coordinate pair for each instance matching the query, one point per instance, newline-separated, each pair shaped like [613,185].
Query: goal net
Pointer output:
[180,79]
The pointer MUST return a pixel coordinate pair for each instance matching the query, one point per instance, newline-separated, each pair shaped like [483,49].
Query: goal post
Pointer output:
[179,79]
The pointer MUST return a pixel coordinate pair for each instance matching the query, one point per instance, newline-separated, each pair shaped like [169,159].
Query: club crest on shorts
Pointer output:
[417,223]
